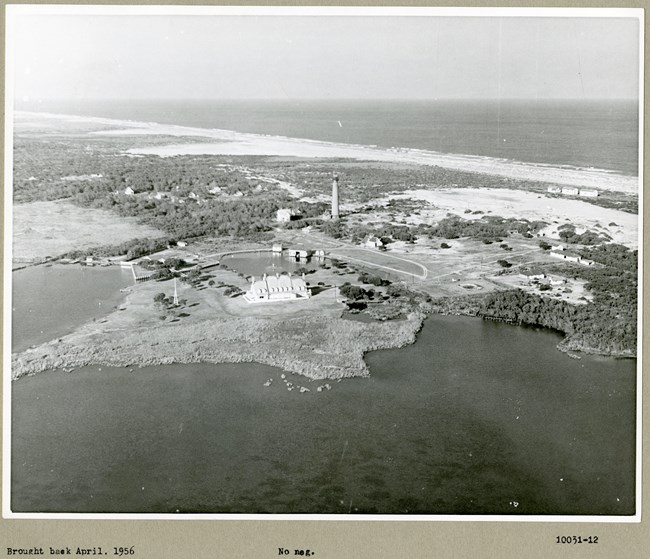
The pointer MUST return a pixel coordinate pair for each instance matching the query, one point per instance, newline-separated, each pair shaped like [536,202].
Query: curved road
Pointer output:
[422,276]
[214,259]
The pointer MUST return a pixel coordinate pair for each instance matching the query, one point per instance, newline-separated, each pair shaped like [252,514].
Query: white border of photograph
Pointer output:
[12,11]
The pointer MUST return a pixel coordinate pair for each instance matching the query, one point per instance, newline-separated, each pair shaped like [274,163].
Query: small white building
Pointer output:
[532,274]
[374,242]
[556,280]
[284,215]
[181,244]
[570,191]
[276,249]
[571,257]
[129,191]
[297,253]
[554,189]
[587,193]
[563,255]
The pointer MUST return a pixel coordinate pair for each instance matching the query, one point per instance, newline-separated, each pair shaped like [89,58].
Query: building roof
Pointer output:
[278,283]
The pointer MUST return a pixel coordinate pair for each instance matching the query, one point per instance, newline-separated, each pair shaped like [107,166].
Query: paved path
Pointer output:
[422,275]
[215,259]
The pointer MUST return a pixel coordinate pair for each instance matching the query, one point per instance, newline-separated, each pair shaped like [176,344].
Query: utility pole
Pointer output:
[175,293]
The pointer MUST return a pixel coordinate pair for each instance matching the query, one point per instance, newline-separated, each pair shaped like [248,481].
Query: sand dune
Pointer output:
[529,205]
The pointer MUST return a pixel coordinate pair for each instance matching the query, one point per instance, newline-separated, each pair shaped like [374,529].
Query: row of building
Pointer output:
[571,191]
[561,253]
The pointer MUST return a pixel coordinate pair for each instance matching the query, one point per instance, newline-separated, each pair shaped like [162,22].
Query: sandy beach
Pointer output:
[519,204]
[226,142]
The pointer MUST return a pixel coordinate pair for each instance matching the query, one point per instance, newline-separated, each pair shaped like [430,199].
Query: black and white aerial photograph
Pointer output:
[322,261]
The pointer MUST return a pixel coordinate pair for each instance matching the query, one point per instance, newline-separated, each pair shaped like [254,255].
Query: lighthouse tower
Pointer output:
[335,197]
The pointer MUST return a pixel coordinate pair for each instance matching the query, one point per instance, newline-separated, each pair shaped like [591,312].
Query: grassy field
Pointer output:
[52,228]
[304,337]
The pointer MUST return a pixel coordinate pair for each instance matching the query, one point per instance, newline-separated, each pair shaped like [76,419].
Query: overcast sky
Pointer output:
[282,57]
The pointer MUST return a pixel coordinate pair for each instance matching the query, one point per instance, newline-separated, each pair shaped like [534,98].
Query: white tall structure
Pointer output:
[175,294]
[335,197]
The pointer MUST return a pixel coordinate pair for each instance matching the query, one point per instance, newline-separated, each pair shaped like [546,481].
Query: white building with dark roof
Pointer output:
[284,215]
[277,288]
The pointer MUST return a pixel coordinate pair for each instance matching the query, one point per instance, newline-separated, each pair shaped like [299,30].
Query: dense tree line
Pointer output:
[602,327]
[608,324]
[135,248]
[488,227]
[568,234]
[51,170]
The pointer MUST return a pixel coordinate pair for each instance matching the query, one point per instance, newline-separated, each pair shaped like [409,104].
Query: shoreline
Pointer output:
[568,345]
[343,359]
[227,142]
[337,352]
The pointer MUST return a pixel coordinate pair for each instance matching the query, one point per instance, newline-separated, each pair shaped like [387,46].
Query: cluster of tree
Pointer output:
[163,299]
[47,170]
[308,210]
[492,228]
[303,270]
[385,231]
[390,231]
[365,277]
[608,323]
[613,255]
[598,326]
[355,292]
[365,181]
[232,291]
[135,248]
[50,170]
[586,238]
[614,283]
[238,217]
[568,234]
[163,269]
[335,229]
[401,291]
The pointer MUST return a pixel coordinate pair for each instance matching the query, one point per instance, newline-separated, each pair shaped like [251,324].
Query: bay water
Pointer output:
[475,417]
[51,301]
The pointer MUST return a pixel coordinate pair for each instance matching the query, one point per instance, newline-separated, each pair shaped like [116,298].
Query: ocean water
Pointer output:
[589,134]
